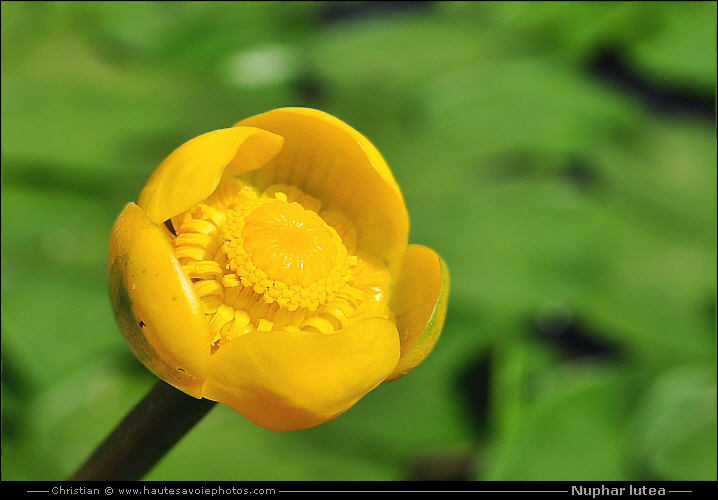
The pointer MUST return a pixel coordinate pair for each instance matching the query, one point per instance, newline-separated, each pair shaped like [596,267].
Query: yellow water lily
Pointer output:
[267,266]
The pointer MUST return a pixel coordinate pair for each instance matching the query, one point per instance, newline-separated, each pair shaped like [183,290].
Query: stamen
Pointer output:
[275,261]
[293,194]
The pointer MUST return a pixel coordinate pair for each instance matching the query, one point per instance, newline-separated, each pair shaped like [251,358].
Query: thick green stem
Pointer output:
[148,432]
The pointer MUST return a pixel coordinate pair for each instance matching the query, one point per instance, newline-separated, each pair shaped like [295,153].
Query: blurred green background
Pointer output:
[561,157]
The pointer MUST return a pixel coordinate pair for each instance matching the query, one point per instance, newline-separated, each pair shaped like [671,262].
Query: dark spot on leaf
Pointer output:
[344,12]
[557,324]
[310,89]
[581,173]
[444,466]
[663,99]
[473,385]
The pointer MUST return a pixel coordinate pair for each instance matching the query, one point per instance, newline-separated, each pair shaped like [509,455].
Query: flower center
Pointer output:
[274,261]
[285,253]
[290,244]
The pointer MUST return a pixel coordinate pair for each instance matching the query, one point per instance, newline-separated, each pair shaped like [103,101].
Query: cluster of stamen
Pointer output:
[274,261]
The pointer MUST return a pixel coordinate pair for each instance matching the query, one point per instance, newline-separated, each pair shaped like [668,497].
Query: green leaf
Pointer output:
[675,426]
[572,432]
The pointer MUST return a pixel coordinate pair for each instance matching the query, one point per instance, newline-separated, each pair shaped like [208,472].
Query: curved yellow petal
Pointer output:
[155,305]
[419,303]
[331,161]
[193,171]
[292,380]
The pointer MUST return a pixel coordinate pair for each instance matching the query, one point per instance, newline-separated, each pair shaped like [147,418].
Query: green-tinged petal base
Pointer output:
[155,305]
[419,303]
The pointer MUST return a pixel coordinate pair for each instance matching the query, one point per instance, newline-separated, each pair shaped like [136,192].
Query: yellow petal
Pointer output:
[156,308]
[419,303]
[292,380]
[193,171]
[331,161]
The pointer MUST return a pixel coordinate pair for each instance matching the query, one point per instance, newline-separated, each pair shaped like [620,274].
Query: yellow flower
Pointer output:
[266,266]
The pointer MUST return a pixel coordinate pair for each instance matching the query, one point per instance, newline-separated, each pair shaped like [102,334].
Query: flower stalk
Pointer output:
[148,432]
